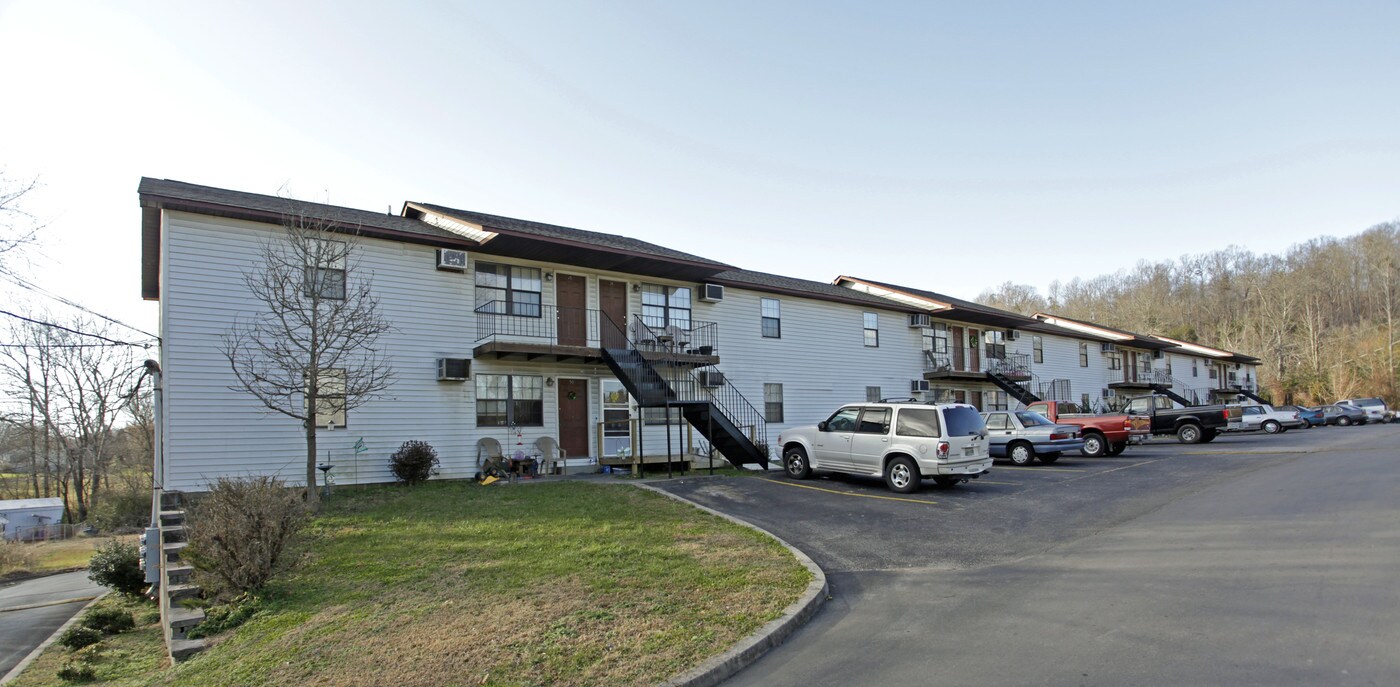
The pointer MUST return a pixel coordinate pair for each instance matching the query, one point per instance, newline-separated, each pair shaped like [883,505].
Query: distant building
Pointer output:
[25,519]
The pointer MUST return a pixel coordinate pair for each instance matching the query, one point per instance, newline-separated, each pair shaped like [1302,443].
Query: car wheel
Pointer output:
[1094,445]
[1118,448]
[945,481]
[1189,433]
[1272,427]
[795,462]
[901,475]
[1344,421]
[1048,458]
[1020,453]
[1307,424]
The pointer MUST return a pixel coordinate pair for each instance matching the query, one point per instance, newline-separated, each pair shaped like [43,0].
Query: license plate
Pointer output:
[969,450]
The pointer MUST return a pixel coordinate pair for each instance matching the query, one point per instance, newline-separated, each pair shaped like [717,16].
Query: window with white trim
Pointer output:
[509,400]
[773,402]
[771,318]
[1038,349]
[664,306]
[330,397]
[1083,355]
[508,290]
[872,330]
[325,269]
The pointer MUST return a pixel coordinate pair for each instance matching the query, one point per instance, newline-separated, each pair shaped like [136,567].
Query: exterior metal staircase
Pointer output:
[1162,384]
[1012,389]
[1250,394]
[707,400]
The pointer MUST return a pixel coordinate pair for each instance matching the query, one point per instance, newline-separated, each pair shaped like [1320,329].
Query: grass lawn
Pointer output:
[451,583]
[54,556]
[130,658]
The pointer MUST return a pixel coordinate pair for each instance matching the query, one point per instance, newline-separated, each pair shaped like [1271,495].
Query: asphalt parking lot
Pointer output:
[1169,564]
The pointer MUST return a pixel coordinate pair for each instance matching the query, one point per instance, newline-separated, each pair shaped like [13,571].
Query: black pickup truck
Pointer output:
[1193,425]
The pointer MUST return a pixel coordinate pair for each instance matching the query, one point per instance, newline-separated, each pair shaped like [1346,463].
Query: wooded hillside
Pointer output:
[1322,316]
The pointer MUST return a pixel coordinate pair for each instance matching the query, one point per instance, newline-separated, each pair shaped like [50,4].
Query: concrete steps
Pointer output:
[176,584]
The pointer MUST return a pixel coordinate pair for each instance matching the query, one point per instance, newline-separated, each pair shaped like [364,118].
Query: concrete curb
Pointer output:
[720,668]
[19,667]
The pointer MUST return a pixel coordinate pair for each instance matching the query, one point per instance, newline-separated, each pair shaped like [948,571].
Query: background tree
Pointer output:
[17,227]
[311,352]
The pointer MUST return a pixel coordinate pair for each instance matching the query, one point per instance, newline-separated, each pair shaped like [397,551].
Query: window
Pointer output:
[773,402]
[917,422]
[771,312]
[843,421]
[1038,349]
[664,306]
[963,421]
[1194,372]
[872,330]
[1083,402]
[874,421]
[325,269]
[998,421]
[1115,361]
[872,394]
[940,337]
[509,400]
[1214,372]
[330,398]
[1168,356]
[508,290]
[995,343]
[994,400]
[1033,419]
[1083,355]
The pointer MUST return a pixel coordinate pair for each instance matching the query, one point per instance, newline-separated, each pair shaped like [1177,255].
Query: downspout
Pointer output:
[157,440]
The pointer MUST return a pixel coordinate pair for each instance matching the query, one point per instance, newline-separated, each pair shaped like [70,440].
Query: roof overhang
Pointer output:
[1117,336]
[1208,351]
[503,242]
[937,308]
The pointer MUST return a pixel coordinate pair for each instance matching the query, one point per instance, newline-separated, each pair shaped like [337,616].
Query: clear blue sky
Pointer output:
[948,146]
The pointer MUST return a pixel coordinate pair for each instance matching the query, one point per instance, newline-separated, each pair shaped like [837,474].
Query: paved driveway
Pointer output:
[1254,560]
[41,611]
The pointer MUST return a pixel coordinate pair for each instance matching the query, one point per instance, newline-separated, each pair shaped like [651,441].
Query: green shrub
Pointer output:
[227,616]
[108,620]
[147,616]
[239,530]
[117,566]
[77,671]
[414,462]
[77,637]
[121,509]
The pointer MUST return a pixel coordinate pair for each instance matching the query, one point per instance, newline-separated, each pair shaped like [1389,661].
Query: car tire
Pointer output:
[1189,433]
[1307,424]
[902,475]
[1020,453]
[795,463]
[1117,449]
[1209,435]
[1094,445]
[1048,458]
[1344,421]
[946,482]
[1271,427]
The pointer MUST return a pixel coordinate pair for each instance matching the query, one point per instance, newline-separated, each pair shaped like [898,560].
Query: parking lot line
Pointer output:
[848,493]
[999,467]
[987,481]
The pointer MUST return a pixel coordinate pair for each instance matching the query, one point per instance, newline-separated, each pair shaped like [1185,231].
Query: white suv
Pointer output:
[1373,407]
[901,442]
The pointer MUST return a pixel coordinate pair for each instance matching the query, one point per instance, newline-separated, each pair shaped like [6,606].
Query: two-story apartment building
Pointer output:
[511,331]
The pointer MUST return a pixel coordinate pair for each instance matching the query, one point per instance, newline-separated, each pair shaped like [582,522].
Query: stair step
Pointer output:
[173,533]
[172,499]
[179,592]
[173,549]
[182,649]
[172,517]
[178,574]
[182,618]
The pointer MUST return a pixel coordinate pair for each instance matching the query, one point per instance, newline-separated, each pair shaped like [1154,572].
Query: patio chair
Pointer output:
[551,455]
[490,462]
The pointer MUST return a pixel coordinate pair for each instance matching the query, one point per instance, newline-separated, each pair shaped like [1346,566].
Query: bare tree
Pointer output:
[17,227]
[311,353]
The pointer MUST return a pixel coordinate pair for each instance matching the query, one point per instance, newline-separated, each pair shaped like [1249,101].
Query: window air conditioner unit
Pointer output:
[712,293]
[917,385]
[1108,348]
[452,260]
[919,321]
[1012,335]
[454,369]
[711,378]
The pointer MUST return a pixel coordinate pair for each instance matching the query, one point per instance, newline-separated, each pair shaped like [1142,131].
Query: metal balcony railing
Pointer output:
[547,324]
[993,358]
[693,337]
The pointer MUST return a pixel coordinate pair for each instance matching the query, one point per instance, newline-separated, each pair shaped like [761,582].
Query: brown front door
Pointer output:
[612,298]
[1130,374]
[975,356]
[975,398]
[959,353]
[573,416]
[571,298]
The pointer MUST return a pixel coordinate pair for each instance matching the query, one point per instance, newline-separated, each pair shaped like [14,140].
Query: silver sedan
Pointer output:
[1022,436]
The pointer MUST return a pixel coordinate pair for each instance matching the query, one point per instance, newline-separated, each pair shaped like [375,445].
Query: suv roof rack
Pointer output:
[898,400]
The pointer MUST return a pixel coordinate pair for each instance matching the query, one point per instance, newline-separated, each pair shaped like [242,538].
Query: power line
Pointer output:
[74,331]
[22,283]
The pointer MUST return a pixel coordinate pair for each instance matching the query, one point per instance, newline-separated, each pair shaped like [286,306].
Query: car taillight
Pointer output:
[1127,423]
[943,449]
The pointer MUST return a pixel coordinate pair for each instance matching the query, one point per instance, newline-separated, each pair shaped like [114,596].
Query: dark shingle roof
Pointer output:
[497,223]
[1139,340]
[763,281]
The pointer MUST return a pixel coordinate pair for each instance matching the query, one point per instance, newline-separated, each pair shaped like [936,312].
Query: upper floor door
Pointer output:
[571,303]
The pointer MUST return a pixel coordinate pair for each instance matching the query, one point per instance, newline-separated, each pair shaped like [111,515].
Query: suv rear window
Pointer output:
[1368,402]
[917,422]
[963,421]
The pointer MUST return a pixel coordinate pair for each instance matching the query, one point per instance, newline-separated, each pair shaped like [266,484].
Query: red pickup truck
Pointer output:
[1103,434]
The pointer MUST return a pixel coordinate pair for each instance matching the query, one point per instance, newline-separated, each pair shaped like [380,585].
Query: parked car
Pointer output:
[1196,424]
[1102,434]
[1343,415]
[1022,436]
[1257,416]
[1311,417]
[1375,408]
[903,443]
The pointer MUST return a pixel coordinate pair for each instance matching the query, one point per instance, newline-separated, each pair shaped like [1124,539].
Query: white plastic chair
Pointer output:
[551,455]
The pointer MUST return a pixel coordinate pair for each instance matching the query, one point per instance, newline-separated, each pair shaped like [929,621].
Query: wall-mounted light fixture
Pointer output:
[636,288]
[549,381]
[549,276]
